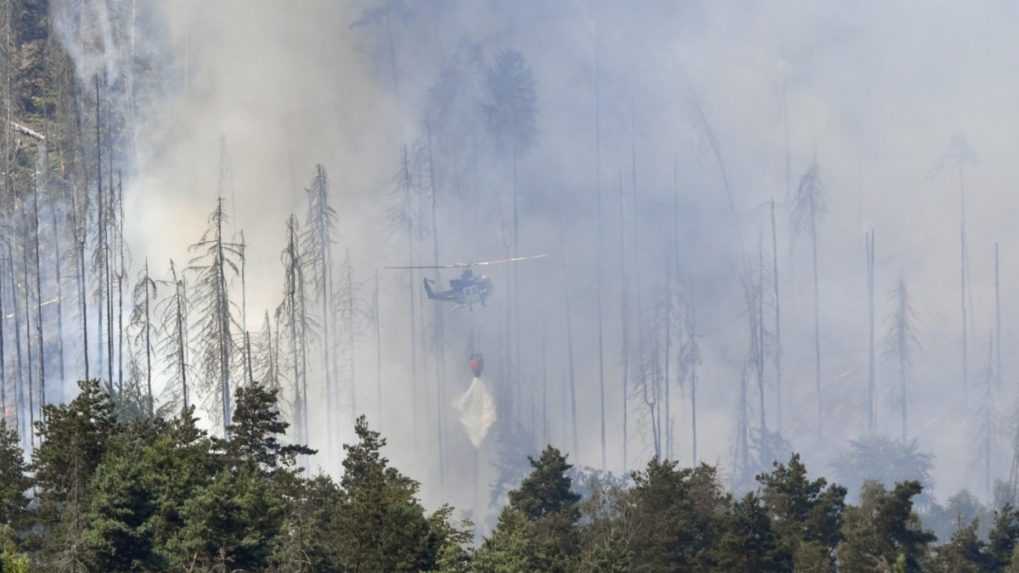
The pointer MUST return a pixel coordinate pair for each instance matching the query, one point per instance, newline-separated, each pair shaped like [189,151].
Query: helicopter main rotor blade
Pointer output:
[468,265]
[509,260]
[422,267]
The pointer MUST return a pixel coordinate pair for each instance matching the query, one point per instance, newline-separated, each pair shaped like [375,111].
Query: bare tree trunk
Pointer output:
[8,189]
[759,325]
[998,371]
[515,274]
[642,373]
[742,429]
[249,375]
[3,361]
[601,249]
[962,273]
[300,403]
[26,280]
[121,274]
[817,321]
[148,342]
[19,379]
[79,236]
[778,321]
[181,326]
[38,299]
[624,318]
[544,383]
[60,307]
[692,334]
[672,268]
[303,313]
[411,214]
[223,312]
[439,334]
[872,362]
[349,315]
[571,378]
[110,225]
[83,298]
[250,379]
[987,437]
[101,238]
[903,343]
[377,316]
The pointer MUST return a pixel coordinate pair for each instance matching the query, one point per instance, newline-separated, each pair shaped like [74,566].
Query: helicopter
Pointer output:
[470,288]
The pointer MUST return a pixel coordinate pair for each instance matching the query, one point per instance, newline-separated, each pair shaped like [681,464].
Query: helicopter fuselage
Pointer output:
[467,290]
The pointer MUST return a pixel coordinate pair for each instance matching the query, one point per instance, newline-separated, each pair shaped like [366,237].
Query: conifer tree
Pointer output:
[141,321]
[537,530]
[901,342]
[173,346]
[256,431]
[317,242]
[401,537]
[265,354]
[293,311]
[808,206]
[14,481]
[215,260]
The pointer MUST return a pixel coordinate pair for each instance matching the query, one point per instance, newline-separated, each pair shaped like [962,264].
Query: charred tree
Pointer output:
[624,319]
[19,367]
[143,297]
[58,278]
[26,291]
[214,260]
[39,181]
[173,346]
[377,319]
[347,301]
[778,321]
[689,363]
[600,221]
[643,361]
[568,326]
[511,110]
[872,359]
[121,275]
[265,360]
[294,312]
[808,207]
[316,245]
[998,369]
[901,342]
[438,317]
[80,237]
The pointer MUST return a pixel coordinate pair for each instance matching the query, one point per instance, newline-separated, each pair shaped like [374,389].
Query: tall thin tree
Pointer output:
[600,222]
[872,359]
[173,345]
[317,243]
[808,207]
[141,321]
[901,342]
[214,260]
[294,312]
[624,319]
[778,321]
[58,279]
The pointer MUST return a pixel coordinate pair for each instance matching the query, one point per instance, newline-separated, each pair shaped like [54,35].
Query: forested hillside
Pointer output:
[159,494]
[722,244]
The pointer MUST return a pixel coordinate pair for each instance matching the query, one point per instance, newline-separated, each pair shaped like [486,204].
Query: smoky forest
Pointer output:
[492,286]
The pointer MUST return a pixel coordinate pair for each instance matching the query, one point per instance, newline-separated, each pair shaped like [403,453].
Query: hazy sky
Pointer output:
[874,91]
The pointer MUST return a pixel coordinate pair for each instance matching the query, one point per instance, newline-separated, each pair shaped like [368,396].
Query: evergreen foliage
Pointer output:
[158,494]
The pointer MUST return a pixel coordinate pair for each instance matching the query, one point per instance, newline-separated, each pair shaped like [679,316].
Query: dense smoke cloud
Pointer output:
[873,91]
